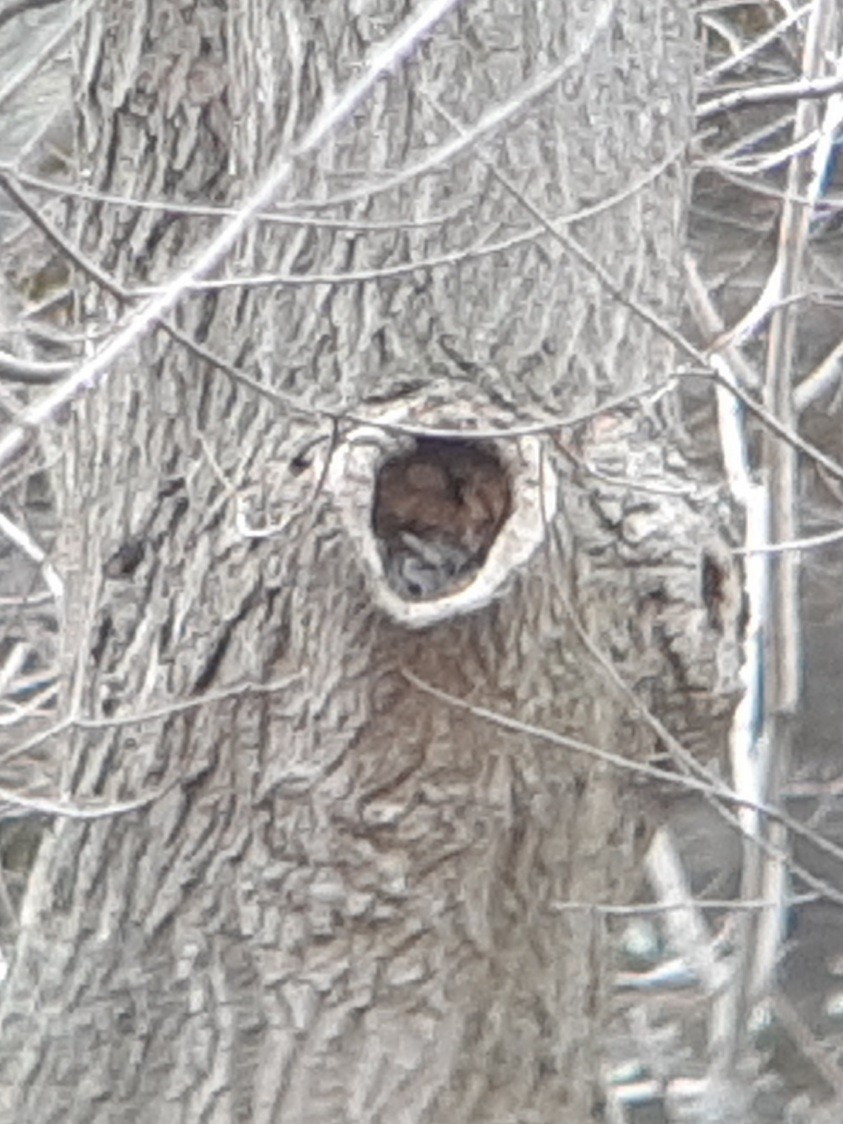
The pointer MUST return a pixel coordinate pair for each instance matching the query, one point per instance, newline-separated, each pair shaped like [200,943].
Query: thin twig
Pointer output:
[25,542]
[292,217]
[757,45]
[34,64]
[804,89]
[824,375]
[32,372]
[810,542]
[79,811]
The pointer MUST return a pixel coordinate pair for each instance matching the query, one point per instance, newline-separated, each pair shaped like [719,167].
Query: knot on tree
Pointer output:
[436,513]
[441,513]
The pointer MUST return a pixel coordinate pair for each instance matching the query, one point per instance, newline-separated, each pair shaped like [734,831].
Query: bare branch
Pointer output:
[30,371]
[803,89]
[31,549]
[757,45]
[288,217]
[391,53]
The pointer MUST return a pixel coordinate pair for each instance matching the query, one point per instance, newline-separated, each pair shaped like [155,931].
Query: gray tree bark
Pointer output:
[351,900]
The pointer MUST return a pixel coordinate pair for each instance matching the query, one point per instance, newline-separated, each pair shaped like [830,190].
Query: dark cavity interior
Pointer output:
[437,510]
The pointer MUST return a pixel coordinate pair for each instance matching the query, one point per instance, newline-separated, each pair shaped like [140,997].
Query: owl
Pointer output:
[437,511]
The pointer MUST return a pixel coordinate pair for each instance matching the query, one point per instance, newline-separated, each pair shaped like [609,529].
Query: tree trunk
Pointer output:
[352,900]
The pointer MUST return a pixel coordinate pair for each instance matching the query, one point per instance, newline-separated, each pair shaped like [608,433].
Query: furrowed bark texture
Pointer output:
[348,904]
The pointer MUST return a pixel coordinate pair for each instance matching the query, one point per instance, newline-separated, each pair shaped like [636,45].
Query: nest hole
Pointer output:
[437,510]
